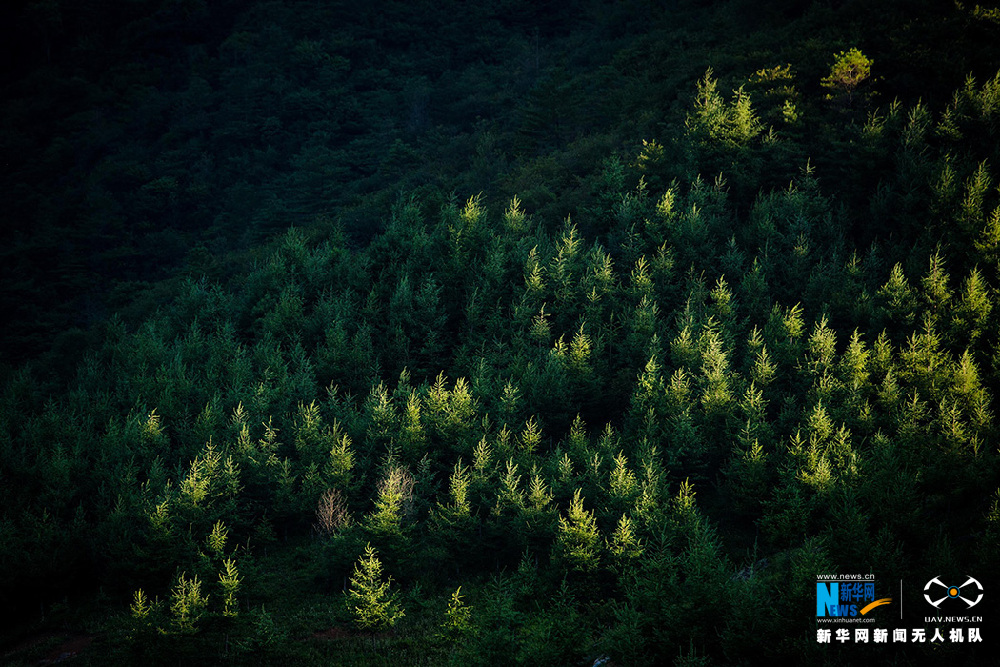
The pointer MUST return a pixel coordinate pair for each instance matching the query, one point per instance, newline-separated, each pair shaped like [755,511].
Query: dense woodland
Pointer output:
[493,333]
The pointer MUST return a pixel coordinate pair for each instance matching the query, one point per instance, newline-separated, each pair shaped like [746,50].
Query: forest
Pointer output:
[541,333]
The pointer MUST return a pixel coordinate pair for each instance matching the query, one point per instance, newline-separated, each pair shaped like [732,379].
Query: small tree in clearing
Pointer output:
[373,605]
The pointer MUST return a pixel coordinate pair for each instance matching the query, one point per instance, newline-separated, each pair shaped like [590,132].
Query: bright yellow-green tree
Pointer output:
[849,70]
[372,603]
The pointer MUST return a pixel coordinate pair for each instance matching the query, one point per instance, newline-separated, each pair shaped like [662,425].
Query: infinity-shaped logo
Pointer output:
[963,592]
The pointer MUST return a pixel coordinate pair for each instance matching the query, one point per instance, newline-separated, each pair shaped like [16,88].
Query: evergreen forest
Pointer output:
[491,333]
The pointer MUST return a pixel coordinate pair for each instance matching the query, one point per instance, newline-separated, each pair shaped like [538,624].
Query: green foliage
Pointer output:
[373,605]
[230,582]
[850,70]
[749,476]
[395,493]
[216,540]
[578,540]
[141,606]
[624,546]
[711,119]
[458,616]
[187,604]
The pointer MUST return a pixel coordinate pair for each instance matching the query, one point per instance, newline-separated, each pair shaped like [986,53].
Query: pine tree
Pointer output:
[230,582]
[822,347]
[531,436]
[578,541]
[735,124]
[216,540]
[412,436]
[373,604]
[394,500]
[457,617]
[510,497]
[748,476]
[624,546]
[987,244]
[763,370]
[970,215]
[899,298]
[854,365]
[340,459]
[452,519]
[849,70]
[937,294]
[141,606]
[622,484]
[972,312]
[716,379]
[187,603]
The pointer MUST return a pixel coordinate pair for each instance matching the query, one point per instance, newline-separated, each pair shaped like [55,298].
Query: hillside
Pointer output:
[492,333]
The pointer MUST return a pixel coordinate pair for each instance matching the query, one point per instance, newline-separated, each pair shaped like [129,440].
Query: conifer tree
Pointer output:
[622,484]
[373,604]
[510,497]
[230,582]
[340,462]
[822,347]
[458,616]
[854,365]
[899,298]
[395,494]
[972,312]
[187,604]
[452,521]
[748,476]
[849,70]
[624,546]
[987,243]
[936,292]
[735,124]
[578,540]
[216,540]
[141,606]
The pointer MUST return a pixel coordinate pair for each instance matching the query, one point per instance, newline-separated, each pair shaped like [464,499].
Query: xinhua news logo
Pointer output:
[845,599]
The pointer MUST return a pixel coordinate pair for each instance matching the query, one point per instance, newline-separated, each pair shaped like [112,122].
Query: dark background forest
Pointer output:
[491,333]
